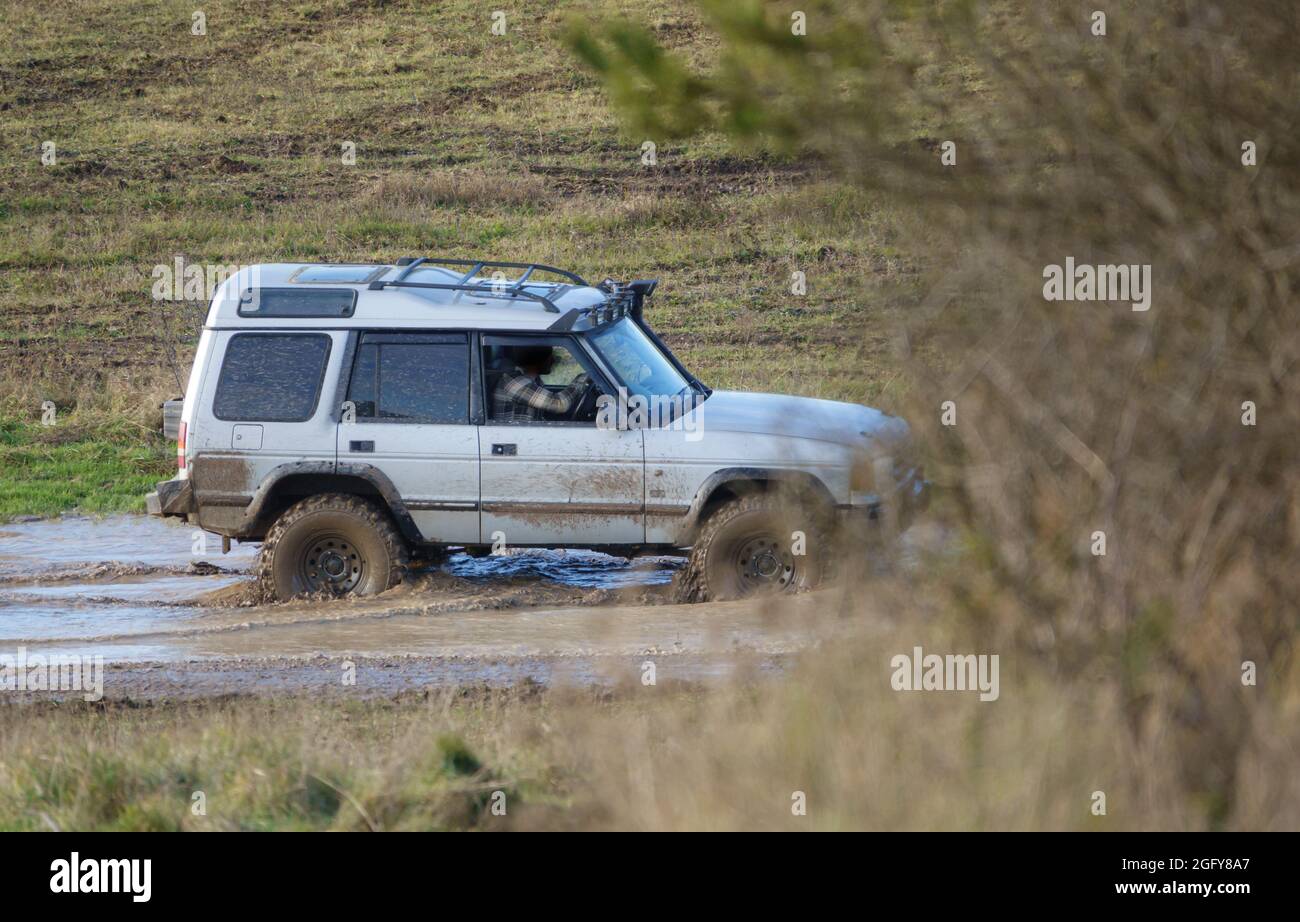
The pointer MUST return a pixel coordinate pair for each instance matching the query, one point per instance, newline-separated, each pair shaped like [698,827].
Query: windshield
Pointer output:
[644,369]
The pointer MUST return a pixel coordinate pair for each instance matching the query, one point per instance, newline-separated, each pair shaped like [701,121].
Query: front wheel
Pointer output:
[757,545]
[332,544]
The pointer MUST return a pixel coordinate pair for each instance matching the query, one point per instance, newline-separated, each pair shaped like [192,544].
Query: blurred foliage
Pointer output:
[1073,417]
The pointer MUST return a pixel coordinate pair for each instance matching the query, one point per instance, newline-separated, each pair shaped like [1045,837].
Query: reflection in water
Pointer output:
[581,569]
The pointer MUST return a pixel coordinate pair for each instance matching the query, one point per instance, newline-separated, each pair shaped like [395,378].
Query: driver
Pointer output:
[520,395]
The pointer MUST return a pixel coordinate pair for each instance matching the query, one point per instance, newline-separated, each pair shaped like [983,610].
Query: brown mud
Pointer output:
[170,623]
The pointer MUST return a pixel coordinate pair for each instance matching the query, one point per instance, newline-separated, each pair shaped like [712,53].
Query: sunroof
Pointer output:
[339,275]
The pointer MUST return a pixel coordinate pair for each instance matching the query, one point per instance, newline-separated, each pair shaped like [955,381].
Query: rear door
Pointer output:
[408,414]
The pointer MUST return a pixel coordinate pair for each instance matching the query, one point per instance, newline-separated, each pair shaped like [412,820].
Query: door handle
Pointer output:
[509,448]
[361,446]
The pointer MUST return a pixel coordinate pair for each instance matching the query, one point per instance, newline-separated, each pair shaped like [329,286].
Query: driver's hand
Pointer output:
[583,379]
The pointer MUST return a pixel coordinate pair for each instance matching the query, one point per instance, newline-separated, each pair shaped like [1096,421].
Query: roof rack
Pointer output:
[411,262]
[516,289]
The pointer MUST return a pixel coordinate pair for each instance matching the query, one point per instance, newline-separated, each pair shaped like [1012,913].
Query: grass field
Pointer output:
[228,149]
[628,757]
[1126,670]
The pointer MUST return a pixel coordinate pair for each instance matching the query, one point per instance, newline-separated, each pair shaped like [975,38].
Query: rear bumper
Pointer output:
[172,498]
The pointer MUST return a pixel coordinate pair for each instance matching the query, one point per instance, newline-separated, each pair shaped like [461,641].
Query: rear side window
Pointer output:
[415,378]
[271,377]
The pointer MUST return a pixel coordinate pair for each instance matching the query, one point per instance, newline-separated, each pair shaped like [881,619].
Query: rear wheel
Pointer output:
[757,545]
[333,544]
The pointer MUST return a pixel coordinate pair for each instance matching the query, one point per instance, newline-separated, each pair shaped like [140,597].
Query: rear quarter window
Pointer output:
[271,377]
[298,302]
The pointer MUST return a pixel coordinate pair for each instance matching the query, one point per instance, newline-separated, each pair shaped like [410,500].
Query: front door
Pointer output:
[408,414]
[555,479]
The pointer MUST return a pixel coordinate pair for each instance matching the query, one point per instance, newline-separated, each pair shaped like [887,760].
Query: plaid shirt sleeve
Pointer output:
[521,389]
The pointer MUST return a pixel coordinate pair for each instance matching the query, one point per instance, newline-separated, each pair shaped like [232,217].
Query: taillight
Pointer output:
[180,447]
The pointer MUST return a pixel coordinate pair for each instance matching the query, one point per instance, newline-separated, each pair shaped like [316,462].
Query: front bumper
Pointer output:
[172,498]
[907,500]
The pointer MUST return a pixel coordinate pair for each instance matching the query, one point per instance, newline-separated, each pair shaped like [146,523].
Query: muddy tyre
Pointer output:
[745,548]
[333,545]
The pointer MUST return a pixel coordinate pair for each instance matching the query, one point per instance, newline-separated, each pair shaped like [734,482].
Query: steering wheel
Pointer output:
[585,405]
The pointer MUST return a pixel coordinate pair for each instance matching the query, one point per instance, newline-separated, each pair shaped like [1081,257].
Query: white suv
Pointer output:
[350,416]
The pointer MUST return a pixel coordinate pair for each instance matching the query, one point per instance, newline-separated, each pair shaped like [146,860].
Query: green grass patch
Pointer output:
[70,468]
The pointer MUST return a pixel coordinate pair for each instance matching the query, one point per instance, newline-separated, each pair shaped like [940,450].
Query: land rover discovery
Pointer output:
[351,416]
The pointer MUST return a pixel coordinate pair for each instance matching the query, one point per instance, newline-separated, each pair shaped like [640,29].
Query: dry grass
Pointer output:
[476,189]
[1074,418]
[227,149]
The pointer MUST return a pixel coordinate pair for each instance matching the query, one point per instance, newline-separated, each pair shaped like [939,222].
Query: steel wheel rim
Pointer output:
[763,564]
[331,564]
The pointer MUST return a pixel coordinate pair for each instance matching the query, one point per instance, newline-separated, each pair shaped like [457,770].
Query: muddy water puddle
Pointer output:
[386,677]
[171,620]
[81,578]
[134,589]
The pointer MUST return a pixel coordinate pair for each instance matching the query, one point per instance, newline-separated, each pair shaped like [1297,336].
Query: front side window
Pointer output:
[416,378]
[537,381]
[271,377]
